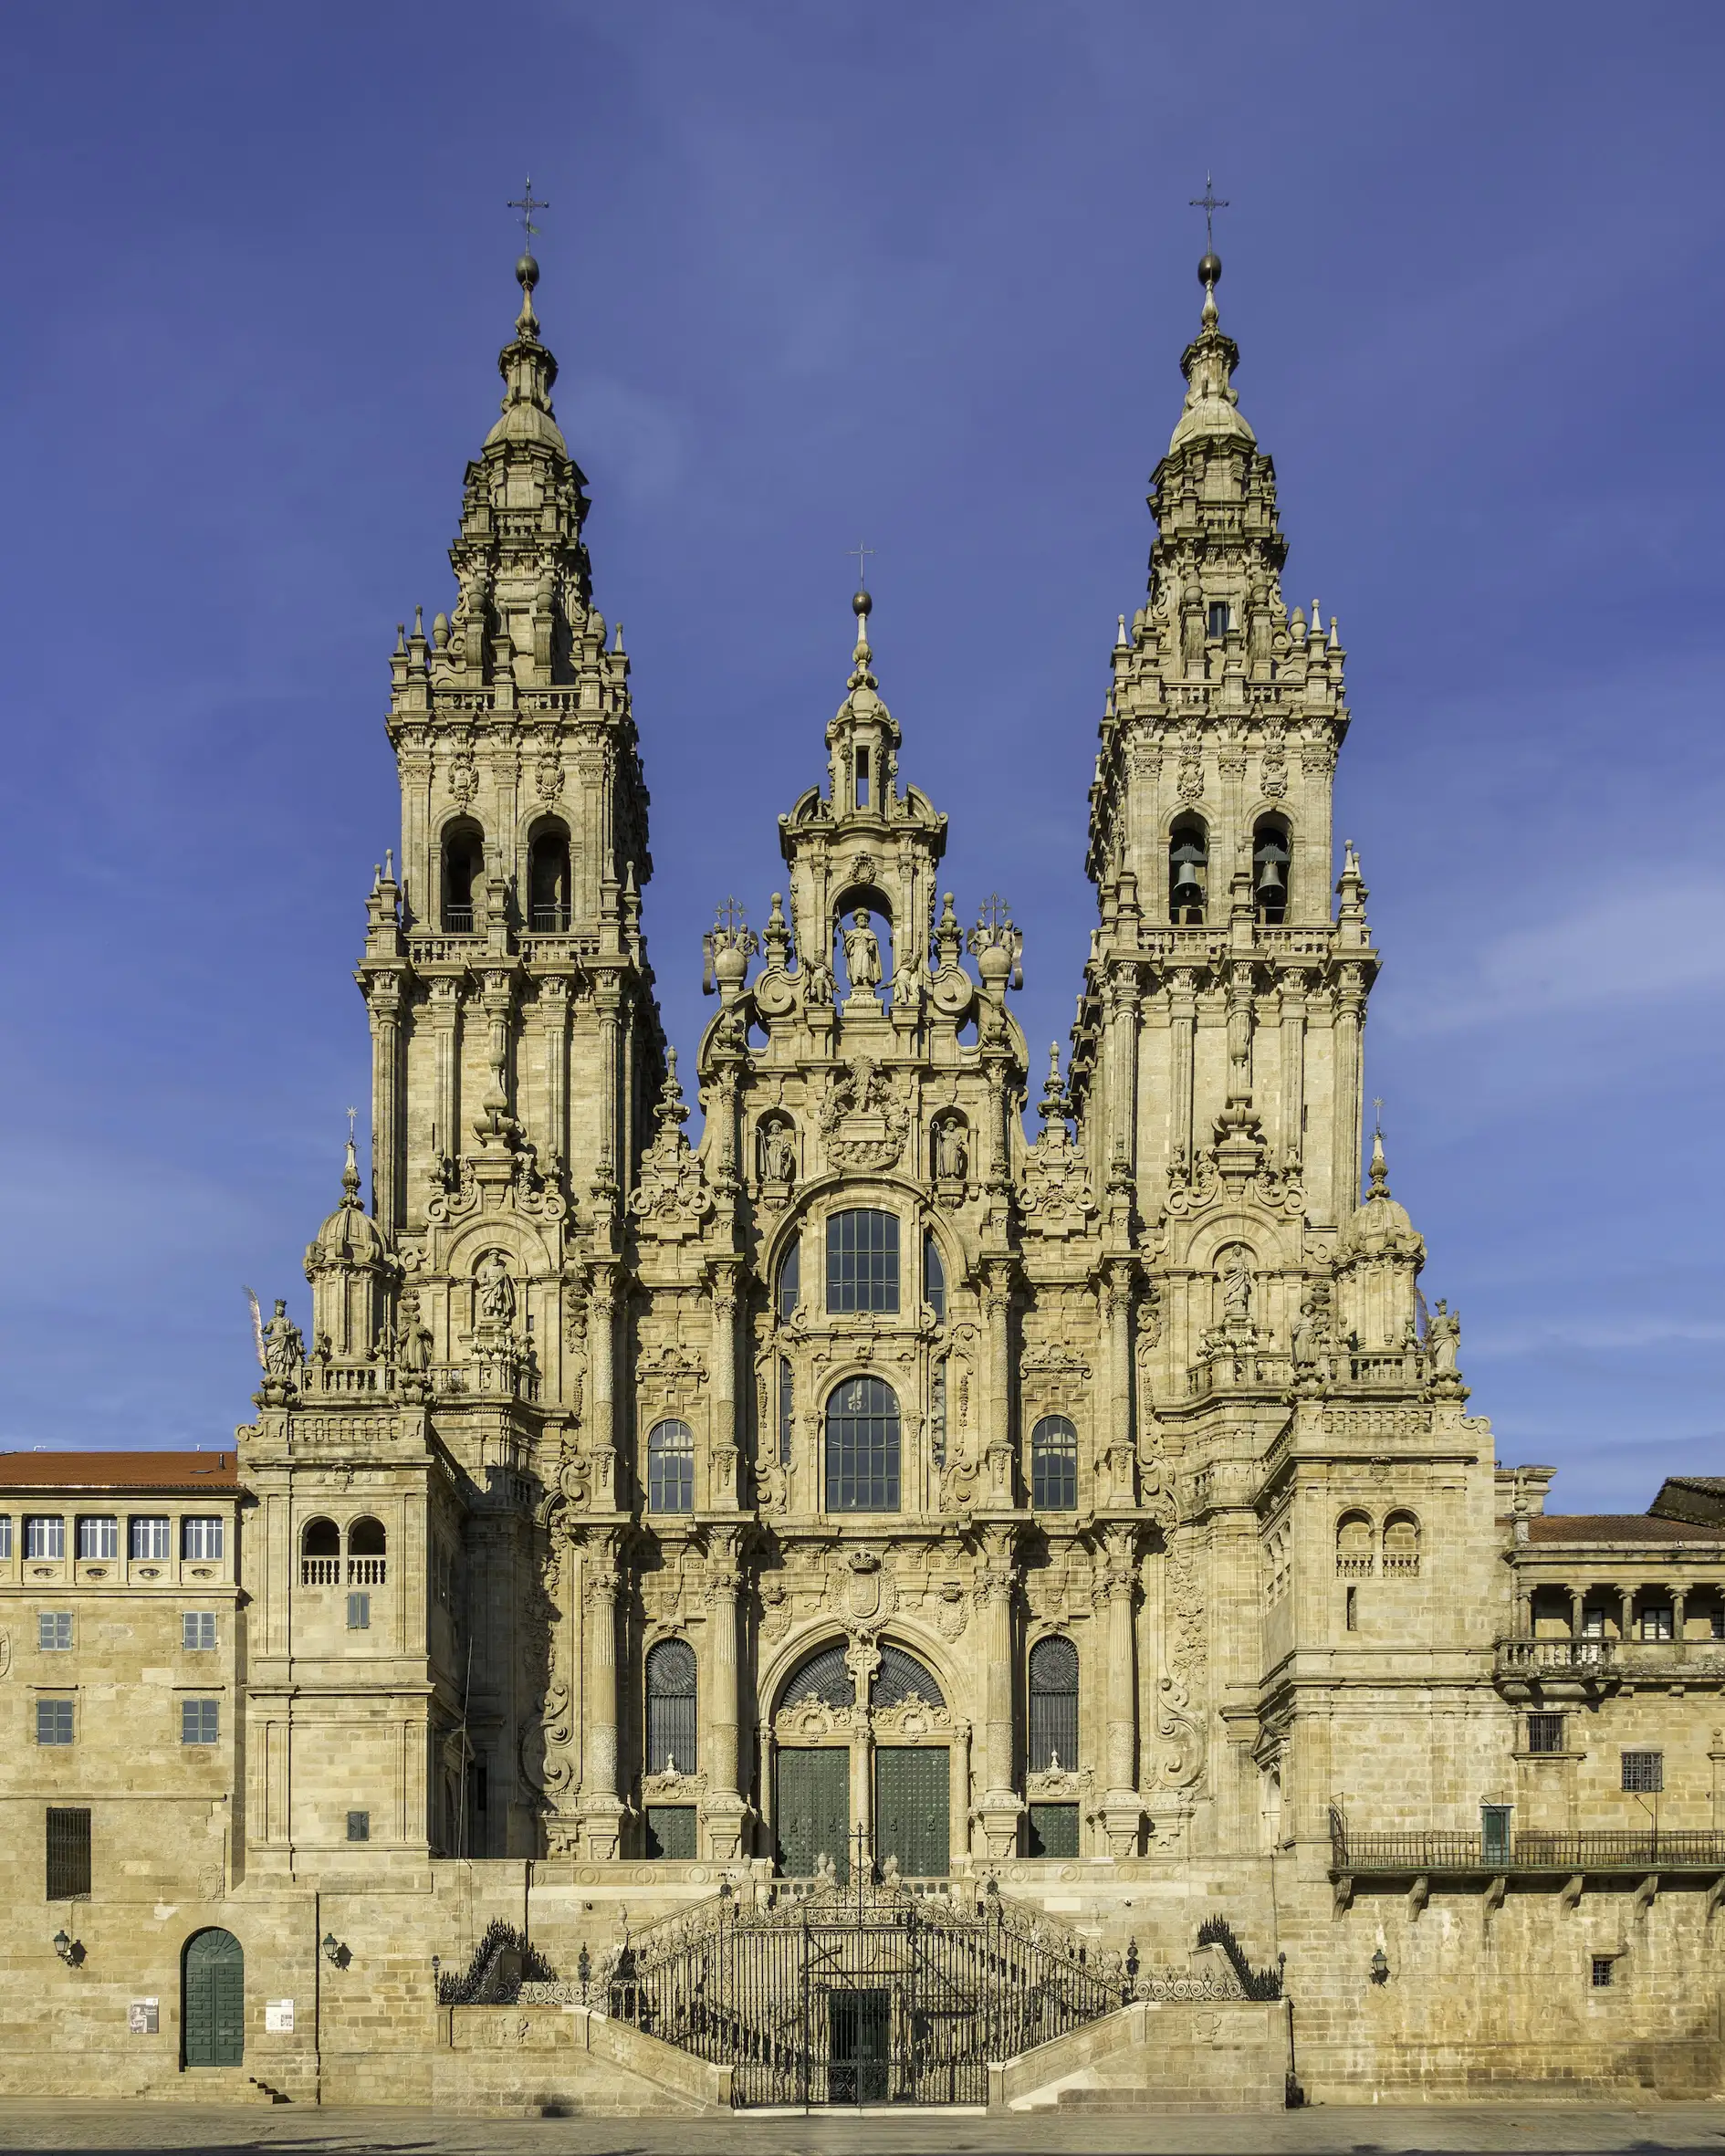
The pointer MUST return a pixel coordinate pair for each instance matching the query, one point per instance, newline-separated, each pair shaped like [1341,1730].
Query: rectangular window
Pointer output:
[54,1631]
[200,1536]
[861,778]
[1351,1616]
[54,1721]
[1545,1733]
[1051,1831]
[1716,1623]
[200,1722]
[1602,1972]
[147,1536]
[670,1830]
[1494,1832]
[67,1852]
[1218,617]
[863,1263]
[359,1826]
[6,1534]
[1656,1621]
[98,1535]
[1593,1624]
[1644,1773]
[359,1613]
[44,1535]
[197,1630]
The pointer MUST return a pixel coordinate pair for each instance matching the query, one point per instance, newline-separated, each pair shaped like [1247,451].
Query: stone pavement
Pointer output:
[1562,2130]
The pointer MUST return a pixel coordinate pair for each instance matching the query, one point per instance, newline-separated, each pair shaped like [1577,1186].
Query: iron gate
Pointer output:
[865,1994]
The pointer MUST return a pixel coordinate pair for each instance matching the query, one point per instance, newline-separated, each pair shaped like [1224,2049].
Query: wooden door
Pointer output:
[213,2000]
[912,1809]
[813,1810]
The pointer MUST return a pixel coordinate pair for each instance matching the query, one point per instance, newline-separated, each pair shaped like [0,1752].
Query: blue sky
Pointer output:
[918,275]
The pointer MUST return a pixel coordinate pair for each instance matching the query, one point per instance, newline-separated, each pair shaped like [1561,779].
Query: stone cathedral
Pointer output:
[1003,1491]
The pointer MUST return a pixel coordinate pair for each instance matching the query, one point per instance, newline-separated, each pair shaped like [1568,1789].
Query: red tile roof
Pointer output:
[1593,1527]
[119,1471]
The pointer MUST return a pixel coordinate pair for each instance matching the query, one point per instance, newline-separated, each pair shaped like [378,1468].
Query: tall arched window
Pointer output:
[1354,1546]
[1055,1465]
[319,1554]
[671,1709]
[367,1548]
[788,1293]
[1401,1543]
[1271,858]
[464,853]
[934,1280]
[1053,1689]
[671,1468]
[863,1446]
[549,879]
[863,1261]
[1188,871]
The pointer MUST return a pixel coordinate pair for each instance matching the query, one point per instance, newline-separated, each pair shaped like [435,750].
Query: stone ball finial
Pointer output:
[527,273]
[1209,269]
[862,605]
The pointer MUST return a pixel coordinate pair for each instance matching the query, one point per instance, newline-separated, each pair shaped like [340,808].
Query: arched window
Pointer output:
[1055,1465]
[367,1544]
[464,862]
[863,1446]
[902,1677]
[863,1261]
[1352,1546]
[1188,871]
[1053,1706]
[789,1290]
[671,1468]
[671,1705]
[549,880]
[319,1554]
[1401,1543]
[934,1280]
[824,1675]
[1272,857]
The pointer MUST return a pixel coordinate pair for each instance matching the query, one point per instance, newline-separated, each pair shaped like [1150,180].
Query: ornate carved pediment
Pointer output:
[864,1119]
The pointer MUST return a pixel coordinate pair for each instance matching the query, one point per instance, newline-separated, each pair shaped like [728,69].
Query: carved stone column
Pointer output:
[1350,1013]
[997,1305]
[1122,1808]
[1182,1021]
[996,1578]
[600,1807]
[724,1811]
[1124,999]
[601,1347]
[446,1016]
[383,1006]
[727,1446]
[554,1041]
[1293,1065]
[1118,1481]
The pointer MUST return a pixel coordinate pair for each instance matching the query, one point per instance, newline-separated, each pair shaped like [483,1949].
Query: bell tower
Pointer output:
[1224,996]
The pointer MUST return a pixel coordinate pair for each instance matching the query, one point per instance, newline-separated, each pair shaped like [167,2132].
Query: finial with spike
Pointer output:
[351,1167]
[1380,1166]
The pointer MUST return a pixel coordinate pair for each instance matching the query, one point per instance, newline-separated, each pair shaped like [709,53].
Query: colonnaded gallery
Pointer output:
[976,1581]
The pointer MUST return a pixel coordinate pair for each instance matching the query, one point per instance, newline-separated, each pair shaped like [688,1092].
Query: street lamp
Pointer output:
[68,1948]
[333,1950]
[1380,1967]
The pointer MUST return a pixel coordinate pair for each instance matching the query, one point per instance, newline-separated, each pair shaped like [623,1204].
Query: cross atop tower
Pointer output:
[527,206]
[862,568]
[1209,202]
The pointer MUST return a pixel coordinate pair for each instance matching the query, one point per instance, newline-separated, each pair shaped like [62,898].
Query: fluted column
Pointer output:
[1119,1484]
[1350,1012]
[1122,1809]
[1124,1000]
[997,1303]
[1293,1065]
[725,1810]
[383,1006]
[601,1806]
[996,1580]
[602,1346]
[727,1446]
[1182,1019]
[554,1042]
[446,1016]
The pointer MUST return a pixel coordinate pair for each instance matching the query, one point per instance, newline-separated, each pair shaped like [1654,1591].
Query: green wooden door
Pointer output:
[911,1814]
[212,2003]
[814,1811]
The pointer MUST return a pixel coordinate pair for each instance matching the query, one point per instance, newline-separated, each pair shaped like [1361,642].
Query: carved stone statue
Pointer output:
[777,1154]
[1443,1337]
[1237,1287]
[818,983]
[950,1157]
[284,1347]
[496,1291]
[413,1337]
[861,954]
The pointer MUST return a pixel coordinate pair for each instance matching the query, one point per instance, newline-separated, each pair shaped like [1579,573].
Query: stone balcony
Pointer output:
[1586,1669]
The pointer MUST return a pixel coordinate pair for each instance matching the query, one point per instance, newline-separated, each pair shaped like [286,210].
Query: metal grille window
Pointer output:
[200,1536]
[98,1535]
[863,1261]
[1055,1465]
[1644,1773]
[671,1468]
[67,1852]
[54,1631]
[902,1677]
[359,1826]
[787,1411]
[1545,1733]
[200,1722]
[671,1708]
[1053,1695]
[197,1630]
[789,1283]
[44,1535]
[863,1446]
[934,1280]
[359,1613]
[54,1721]
[1602,1972]
[149,1535]
[824,1676]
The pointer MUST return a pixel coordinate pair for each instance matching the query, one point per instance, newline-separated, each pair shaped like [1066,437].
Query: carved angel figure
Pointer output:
[284,1345]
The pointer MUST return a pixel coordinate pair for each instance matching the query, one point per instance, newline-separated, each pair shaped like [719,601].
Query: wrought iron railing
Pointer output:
[1256,1984]
[1494,1851]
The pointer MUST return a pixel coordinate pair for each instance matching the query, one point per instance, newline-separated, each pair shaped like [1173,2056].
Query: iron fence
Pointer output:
[1528,1850]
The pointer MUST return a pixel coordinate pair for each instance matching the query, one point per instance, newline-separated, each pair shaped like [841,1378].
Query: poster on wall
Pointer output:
[279,2017]
[143,2017]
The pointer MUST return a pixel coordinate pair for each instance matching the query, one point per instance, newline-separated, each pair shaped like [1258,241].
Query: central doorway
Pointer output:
[213,2000]
[814,1811]
[912,1810]
[859,2026]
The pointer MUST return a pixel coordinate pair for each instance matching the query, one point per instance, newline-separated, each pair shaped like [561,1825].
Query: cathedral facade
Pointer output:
[953,1466]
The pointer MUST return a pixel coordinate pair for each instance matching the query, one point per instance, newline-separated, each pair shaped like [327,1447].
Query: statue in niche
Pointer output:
[777,1153]
[284,1347]
[950,1157]
[1237,1287]
[497,1290]
[862,955]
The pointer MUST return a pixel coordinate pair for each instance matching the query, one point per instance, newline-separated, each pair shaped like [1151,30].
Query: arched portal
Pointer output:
[213,2000]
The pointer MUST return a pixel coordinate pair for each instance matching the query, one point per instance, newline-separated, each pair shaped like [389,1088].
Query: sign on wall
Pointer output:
[279,2017]
[143,2017]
